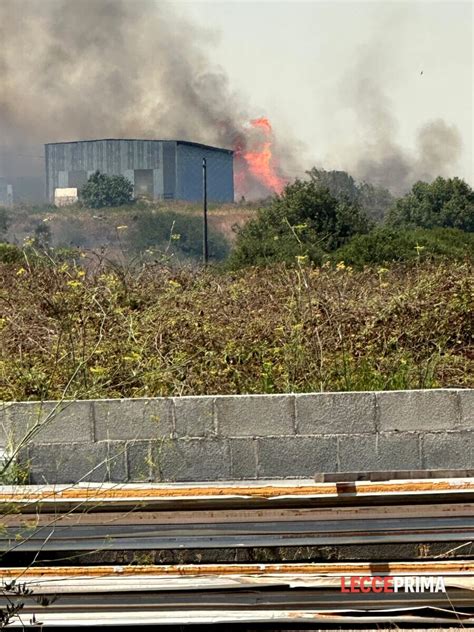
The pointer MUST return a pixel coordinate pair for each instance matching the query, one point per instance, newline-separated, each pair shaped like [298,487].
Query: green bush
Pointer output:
[305,221]
[385,245]
[104,190]
[10,253]
[177,234]
[4,221]
[443,203]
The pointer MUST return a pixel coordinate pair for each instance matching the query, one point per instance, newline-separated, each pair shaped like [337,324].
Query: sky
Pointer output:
[292,61]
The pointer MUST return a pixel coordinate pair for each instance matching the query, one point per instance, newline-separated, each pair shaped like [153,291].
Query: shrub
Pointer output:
[385,245]
[10,253]
[104,190]
[443,203]
[306,220]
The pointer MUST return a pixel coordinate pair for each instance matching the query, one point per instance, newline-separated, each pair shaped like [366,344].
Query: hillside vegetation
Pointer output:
[85,329]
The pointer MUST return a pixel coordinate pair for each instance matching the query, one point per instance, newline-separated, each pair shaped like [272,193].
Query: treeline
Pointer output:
[330,217]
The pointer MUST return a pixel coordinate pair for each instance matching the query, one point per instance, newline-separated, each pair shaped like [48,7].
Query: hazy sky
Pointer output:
[292,61]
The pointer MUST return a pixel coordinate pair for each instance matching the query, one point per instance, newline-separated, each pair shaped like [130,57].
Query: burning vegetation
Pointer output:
[257,167]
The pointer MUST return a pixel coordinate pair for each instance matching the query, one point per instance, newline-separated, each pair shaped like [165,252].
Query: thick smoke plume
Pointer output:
[108,69]
[82,69]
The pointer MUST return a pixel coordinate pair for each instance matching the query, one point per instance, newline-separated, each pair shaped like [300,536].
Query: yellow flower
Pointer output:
[341,265]
[382,270]
[74,283]
[81,273]
[174,283]
[21,271]
[301,258]
[99,370]
[133,357]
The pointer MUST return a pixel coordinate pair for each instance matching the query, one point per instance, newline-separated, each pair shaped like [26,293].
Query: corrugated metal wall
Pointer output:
[220,176]
[176,167]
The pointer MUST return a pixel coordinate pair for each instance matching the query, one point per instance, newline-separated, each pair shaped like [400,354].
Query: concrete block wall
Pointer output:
[240,437]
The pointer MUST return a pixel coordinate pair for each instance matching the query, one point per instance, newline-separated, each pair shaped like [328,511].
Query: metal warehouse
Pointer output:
[159,169]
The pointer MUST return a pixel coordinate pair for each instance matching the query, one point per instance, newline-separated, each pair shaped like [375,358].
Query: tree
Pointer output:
[443,203]
[104,190]
[306,220]
[375,201]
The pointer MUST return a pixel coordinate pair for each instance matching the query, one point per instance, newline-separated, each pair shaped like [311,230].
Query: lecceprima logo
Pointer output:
[392,584]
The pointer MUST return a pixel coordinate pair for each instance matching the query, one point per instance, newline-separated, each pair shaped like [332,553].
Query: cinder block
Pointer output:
[133,419]
[194,416]
[466,405]
[139,461]
[77,462]
[366,453]
[191,460]
[453,450]
[289,457]
[243,455]
[50,422]
[335,413]
[417,410]
[255,415]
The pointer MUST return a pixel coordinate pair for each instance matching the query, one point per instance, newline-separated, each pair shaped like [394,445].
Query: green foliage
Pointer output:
[177,234]
[386,245]
[104,190]
[4,221]
[10,253]
[443,203]
[374,201]
[305,221]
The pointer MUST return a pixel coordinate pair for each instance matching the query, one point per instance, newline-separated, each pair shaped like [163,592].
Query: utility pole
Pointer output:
[205,249]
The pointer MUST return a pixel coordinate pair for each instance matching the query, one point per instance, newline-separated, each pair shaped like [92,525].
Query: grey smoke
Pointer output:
[78,69]
[378,157]
[83,69]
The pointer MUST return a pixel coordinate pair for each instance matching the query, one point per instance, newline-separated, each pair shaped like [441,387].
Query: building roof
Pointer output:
[154,140]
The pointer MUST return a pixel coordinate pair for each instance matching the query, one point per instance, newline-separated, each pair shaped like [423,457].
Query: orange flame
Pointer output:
[260,161]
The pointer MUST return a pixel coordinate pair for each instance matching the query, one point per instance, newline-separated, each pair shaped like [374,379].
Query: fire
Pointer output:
[258,166]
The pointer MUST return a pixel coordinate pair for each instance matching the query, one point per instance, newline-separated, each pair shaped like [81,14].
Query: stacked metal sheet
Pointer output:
[53,536]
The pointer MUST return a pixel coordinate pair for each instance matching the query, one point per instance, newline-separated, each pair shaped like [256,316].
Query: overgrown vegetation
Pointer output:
[327,217]
[180,234]
[96,331]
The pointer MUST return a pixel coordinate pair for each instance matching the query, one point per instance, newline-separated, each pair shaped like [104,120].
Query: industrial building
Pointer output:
[158,169]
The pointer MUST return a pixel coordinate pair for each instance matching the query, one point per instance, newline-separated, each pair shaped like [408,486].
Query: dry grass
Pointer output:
[156,331]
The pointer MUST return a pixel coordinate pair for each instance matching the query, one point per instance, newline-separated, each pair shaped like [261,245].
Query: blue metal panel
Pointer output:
[220,177]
